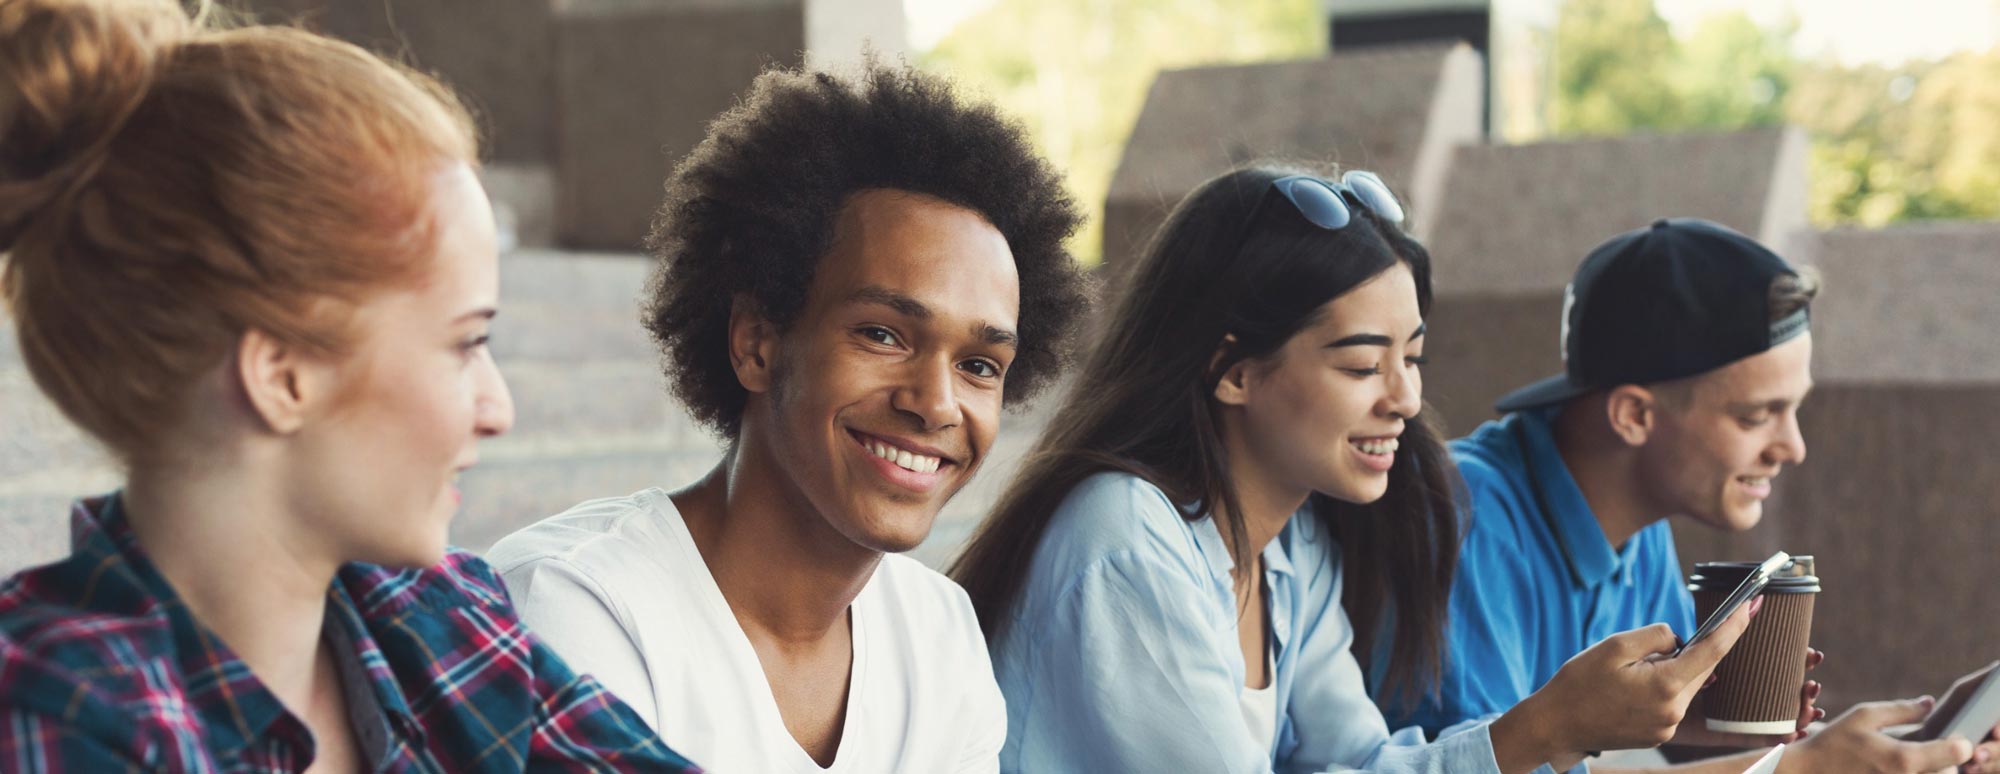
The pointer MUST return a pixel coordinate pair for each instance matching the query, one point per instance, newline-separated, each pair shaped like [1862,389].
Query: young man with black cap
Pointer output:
[1687,352]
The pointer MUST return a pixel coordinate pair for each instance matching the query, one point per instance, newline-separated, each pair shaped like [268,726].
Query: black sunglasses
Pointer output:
[1321,201]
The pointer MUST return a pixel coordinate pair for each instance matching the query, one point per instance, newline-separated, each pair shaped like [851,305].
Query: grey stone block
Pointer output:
[570,307]
[1398,112]
[33,531]
[1519,218]
[10,342]
[1906,304]
[574,278]
[839,31]
[524,203]
[497,54]
[504,496]
[586,400]
[36,440]
[636,88]
[1482,347]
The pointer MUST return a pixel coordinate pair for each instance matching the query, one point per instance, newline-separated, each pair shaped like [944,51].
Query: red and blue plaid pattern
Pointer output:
[103,669]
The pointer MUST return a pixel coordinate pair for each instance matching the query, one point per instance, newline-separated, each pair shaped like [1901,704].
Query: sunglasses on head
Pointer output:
[1322,201]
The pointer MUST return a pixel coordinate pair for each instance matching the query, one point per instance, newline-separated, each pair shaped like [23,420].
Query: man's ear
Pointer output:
[1233,389]
[1633,412]
[282,386]
[753,344]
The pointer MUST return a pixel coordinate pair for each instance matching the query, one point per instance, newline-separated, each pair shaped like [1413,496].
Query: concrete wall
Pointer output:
[498,54]
[600,98]
[635,90]
[1396,112]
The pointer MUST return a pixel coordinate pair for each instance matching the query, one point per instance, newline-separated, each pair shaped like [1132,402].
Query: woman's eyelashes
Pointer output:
[1413,361]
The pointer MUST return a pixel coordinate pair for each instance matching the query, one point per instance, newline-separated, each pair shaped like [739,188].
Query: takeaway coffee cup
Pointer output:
[1757,685]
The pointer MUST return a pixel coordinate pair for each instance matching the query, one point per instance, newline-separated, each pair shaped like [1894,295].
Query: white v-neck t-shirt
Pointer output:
[618,589]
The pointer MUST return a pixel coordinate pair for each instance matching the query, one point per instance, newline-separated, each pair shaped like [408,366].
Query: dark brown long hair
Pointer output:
[1222,264]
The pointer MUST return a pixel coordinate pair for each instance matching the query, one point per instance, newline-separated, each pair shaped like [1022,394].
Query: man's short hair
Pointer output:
[751,211]
[1792,292]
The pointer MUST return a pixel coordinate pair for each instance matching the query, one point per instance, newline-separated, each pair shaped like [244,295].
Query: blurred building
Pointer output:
[1357,25]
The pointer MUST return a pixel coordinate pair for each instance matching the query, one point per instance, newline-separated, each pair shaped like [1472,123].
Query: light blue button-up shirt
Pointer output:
[1537,581]
[1122,654]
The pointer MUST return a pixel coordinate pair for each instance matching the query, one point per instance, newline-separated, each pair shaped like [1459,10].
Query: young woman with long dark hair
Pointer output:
[1238,494]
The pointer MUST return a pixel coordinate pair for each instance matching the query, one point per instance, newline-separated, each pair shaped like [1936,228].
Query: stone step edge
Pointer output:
[72,481]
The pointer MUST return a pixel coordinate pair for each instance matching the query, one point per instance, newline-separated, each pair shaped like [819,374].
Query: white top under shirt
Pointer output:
[618,589]
[1260,707]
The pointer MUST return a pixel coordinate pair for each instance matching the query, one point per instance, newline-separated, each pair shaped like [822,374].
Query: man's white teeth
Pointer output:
[1381,446]
[904,458]
[1756,480]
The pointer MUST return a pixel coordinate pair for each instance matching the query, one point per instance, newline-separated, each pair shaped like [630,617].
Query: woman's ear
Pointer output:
[281,385]
[753,344]
[1233,388]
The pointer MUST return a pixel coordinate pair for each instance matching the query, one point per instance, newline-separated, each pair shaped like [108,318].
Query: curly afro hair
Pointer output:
[751,211]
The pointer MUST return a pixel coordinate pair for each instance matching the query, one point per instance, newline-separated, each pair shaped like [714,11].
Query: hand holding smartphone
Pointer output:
[1970,709]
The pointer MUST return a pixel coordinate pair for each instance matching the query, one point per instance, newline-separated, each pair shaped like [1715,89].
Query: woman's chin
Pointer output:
[1358,492]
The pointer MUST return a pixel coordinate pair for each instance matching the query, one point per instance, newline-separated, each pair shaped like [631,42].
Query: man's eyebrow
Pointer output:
[904,305]
[998,336]
[1421,328]
[484,312]
[910,307]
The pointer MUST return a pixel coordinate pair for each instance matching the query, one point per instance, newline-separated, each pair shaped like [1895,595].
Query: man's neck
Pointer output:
[209,531]
[786,573]
[1603,470]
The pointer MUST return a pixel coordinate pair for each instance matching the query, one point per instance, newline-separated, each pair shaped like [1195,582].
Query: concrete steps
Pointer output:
[592,418]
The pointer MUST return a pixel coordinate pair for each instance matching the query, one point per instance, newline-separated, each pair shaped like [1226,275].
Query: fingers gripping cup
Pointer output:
[1757,685]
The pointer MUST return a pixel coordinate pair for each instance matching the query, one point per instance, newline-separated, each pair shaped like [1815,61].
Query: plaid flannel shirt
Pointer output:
[104,669]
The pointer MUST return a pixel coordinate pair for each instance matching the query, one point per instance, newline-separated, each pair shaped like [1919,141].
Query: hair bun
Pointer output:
[71,73]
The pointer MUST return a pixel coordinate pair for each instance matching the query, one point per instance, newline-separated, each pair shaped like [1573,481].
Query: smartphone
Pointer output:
[1752,585]
[1970,709]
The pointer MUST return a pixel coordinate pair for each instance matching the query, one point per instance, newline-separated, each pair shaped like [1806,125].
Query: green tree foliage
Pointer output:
[1903,143]
[1619,69]
[1077,71]
[1888,144]
[1608,75]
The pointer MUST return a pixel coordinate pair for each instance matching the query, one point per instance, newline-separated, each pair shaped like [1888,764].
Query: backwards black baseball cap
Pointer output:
[1682,297]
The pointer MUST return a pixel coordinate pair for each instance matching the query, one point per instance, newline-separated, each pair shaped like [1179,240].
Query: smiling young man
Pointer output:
[1687,354]
[855,276]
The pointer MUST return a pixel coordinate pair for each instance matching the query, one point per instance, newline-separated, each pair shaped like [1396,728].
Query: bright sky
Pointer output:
[1858,31]
[930,20]
[1853,31]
